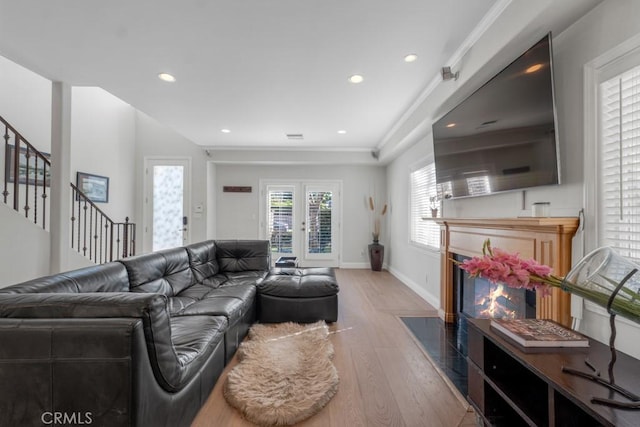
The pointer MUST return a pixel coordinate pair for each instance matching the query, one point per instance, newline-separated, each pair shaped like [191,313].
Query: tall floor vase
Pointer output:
[376,255]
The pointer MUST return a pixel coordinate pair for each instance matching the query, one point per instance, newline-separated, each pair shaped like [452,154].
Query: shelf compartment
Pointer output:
[519,385]
[499,412]
[568,414]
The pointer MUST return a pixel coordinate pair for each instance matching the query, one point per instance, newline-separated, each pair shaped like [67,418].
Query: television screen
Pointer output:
[502,137]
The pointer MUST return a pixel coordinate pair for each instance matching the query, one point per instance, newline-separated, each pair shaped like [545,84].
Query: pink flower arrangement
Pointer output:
[499,266]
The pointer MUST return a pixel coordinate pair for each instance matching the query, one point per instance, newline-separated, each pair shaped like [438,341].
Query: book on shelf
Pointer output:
[539,333]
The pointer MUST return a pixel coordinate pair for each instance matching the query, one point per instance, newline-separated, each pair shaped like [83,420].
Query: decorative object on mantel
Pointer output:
[376,250]
[434,204]
[285,374]
[602,277]
[236,189]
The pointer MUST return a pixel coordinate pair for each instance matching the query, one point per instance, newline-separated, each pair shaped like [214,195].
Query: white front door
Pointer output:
[302,219]
[166,203]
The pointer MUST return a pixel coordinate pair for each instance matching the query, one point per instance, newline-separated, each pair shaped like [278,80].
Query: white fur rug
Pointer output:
[285,374]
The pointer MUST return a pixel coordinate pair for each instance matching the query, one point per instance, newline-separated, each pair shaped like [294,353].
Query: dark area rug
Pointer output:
[446,346]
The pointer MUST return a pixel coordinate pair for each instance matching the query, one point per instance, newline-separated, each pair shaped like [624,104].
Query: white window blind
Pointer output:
[319,211]
[619,198]
[423,187]
[280,220]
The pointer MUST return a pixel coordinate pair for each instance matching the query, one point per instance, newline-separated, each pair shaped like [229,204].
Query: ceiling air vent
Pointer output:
[295,136]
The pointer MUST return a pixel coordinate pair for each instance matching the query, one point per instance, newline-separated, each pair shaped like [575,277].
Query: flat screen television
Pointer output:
[503,136]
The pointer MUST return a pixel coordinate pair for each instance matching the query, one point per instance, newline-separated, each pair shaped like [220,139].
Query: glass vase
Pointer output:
[609,280]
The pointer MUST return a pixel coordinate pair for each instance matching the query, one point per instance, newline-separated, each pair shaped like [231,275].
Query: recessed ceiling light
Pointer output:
[225,130]
[411,57]
[533,68]
[450,125]
[166,77]
[342,131]
[356,78]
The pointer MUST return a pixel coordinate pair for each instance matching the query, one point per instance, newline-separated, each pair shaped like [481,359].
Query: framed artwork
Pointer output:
[95,187]
[27,170]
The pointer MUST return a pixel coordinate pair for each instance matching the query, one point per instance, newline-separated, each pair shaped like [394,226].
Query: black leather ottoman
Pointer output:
[302,295]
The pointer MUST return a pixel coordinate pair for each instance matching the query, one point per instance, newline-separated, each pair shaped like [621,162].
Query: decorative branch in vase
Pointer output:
[377,219]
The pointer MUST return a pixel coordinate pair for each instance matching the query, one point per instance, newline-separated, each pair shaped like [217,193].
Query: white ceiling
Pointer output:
[261,68]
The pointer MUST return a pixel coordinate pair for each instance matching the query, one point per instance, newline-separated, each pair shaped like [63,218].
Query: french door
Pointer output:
[166,203]
[302,219]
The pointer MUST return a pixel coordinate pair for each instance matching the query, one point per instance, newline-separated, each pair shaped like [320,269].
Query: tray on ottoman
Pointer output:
[300,295]
[287,261]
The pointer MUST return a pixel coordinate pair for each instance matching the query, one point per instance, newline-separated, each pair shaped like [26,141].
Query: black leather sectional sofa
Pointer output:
[138,342]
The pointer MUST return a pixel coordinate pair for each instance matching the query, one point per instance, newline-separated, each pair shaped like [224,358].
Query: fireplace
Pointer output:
[547,240]
[478,298]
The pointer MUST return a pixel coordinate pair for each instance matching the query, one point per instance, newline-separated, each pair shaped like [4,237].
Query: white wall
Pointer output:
[606,26]
[24,248]
[103,143]
[417,267]
[25,102]
[237,213]
[154,140]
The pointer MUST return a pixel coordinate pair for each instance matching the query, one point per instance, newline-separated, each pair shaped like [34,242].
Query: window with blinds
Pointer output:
[423,189]
[619,161]
[281,221]
[319,221]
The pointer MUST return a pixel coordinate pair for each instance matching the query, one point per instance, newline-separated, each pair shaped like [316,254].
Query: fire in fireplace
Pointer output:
[479,298]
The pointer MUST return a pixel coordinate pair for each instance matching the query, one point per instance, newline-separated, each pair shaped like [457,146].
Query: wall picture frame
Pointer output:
[32,166]
[95,187]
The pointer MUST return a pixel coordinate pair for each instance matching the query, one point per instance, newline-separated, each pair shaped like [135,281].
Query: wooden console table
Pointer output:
[508,386]
[547,240]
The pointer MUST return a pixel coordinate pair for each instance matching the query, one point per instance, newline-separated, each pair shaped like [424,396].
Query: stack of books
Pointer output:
[539,333]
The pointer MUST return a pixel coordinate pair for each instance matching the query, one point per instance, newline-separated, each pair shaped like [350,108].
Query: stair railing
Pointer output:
[95,235]
[27,178]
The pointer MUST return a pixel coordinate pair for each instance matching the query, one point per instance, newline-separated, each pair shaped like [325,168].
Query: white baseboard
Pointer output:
[422,293]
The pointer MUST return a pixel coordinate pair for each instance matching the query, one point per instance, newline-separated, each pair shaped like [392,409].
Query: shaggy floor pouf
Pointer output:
[285,374]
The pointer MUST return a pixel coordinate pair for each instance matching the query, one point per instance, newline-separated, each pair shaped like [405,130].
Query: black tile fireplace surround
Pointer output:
[446,343]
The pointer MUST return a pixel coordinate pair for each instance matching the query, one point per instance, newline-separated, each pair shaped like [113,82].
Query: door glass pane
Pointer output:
[319,204]
[167,206]
[280,221]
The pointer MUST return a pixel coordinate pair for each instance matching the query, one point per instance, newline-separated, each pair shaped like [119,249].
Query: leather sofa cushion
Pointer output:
[192,335]
[214,281]
[165,272]
[217,305]
[243,255]
[246,292]
[179,304]
[110,277]
[187,297]
[202,257]
[195,292]
[245,277]
[299,283]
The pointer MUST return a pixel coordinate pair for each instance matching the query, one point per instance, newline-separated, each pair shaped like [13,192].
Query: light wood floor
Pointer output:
[385,377]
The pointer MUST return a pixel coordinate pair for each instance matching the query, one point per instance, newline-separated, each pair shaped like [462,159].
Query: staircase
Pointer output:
[25,189]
